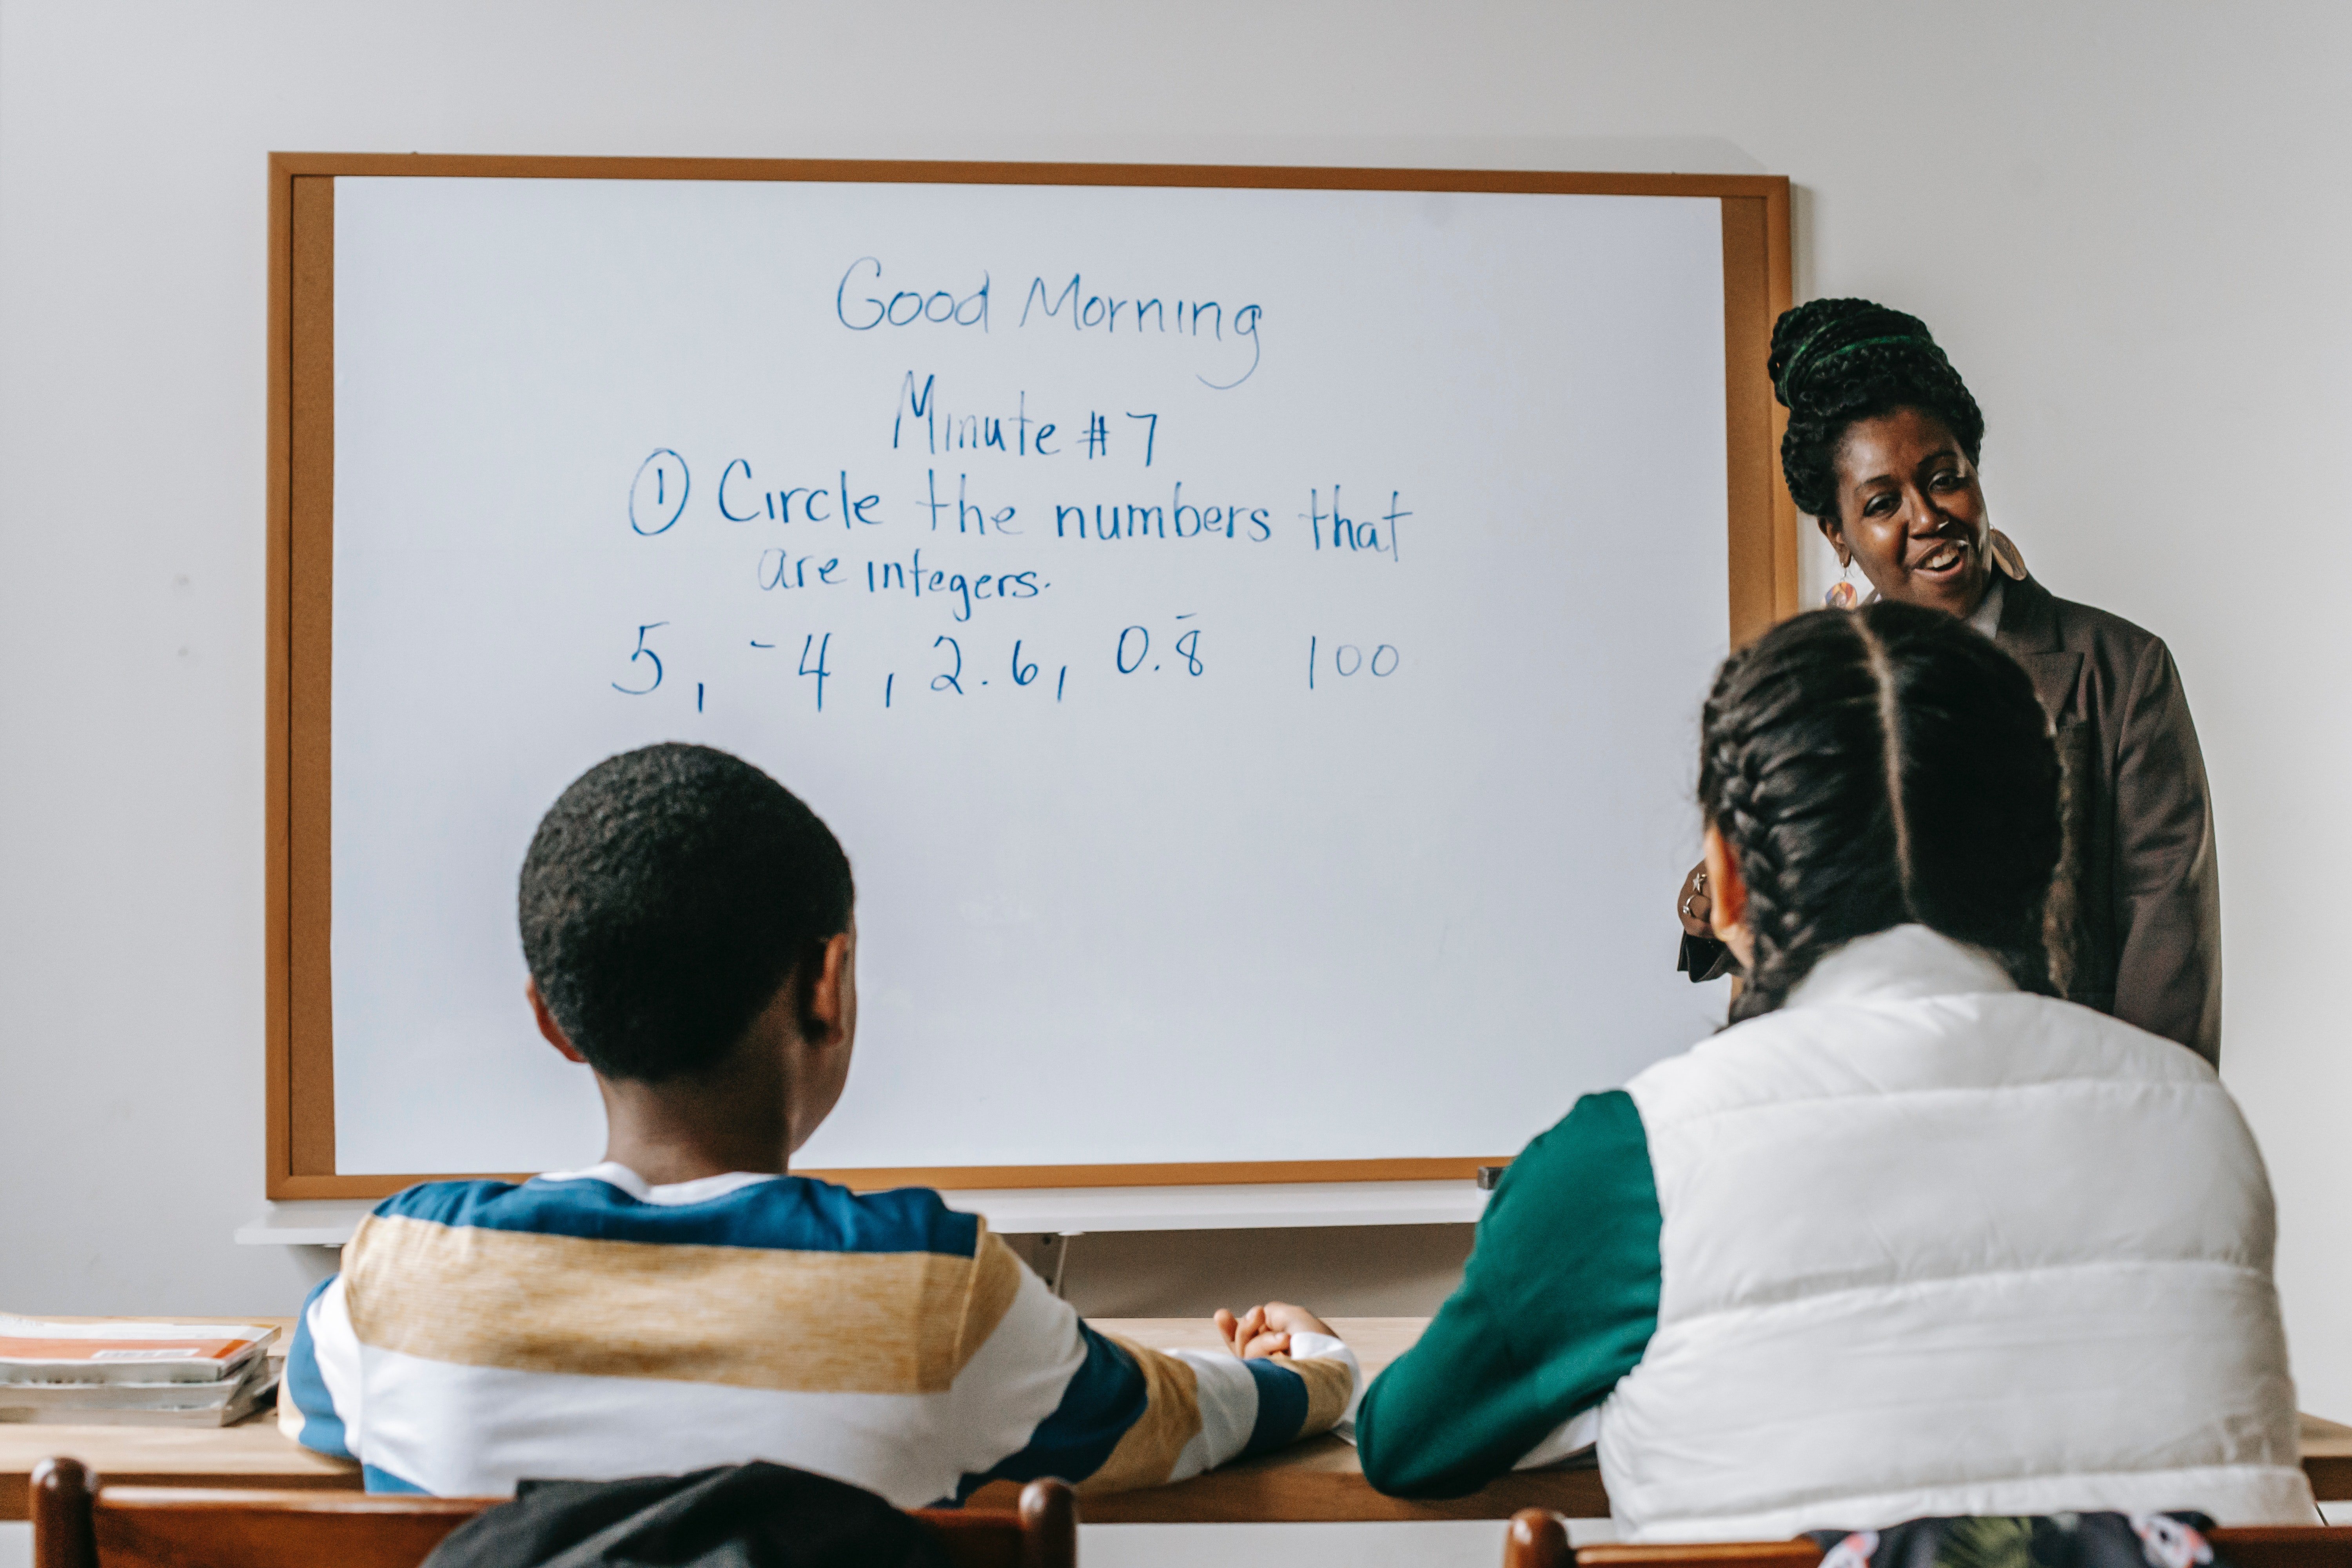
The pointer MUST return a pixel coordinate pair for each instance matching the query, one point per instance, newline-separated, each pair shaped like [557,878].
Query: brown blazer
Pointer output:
[2136,914]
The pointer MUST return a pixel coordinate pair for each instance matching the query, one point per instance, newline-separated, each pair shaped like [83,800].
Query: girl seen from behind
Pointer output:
[1911,1236]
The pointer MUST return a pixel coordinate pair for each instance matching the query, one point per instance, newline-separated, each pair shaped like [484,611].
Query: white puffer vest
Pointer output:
[1933,1246]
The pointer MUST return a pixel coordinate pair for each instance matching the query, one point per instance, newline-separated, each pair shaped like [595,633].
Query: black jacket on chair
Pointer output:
[739,1516]
[2136,914]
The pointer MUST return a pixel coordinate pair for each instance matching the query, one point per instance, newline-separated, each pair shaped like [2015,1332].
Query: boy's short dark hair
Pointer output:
[669,895]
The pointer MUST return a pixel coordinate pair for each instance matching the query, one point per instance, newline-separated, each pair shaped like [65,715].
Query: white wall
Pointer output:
[2126,221]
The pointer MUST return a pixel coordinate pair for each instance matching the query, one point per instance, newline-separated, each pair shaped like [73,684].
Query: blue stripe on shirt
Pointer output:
[1281,1405]
[378,1480]
[794,1214]
[1103,1398]
[322,1430]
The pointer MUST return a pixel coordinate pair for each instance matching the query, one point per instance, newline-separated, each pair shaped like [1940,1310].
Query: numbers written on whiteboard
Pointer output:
[644,653]
[950,677]
[819,670]
[1347,659]
[1134,654]
[956,671]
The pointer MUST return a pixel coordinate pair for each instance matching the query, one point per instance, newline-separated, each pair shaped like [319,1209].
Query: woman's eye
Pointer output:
[1878,506]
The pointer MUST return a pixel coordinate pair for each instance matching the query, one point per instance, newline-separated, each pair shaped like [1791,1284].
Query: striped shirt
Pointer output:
[588,1326]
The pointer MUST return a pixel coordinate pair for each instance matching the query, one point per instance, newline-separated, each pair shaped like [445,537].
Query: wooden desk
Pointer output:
[249,1454]
[1313,1481]
[1318,1480]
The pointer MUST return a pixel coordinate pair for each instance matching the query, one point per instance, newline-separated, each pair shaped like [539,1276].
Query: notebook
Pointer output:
[35,1351]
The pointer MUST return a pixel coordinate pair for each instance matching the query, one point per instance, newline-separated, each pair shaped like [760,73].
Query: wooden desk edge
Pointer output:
[1277,1488]
[1276,1494]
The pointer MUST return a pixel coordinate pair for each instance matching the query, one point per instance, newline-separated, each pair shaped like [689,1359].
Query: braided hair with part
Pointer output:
[1835,362]
[1875,768]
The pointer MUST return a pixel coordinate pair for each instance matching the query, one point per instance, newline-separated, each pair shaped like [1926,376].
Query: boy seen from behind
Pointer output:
[686,1302]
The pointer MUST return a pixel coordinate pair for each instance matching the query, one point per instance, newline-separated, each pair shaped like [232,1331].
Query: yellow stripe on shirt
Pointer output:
[1147,1454]
[1328,1384]
[813,1323]
[996,1276]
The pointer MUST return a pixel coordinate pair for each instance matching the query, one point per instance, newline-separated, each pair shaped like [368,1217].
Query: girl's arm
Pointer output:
[1557,1302]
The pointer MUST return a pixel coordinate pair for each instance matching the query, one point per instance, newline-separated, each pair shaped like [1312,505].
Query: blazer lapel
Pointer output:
[2055,676]
[2029,631]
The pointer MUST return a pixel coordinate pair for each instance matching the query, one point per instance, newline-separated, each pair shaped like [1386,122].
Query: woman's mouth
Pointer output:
[1943,561]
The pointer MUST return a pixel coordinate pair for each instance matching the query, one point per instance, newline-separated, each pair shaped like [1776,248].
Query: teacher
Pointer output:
[1881,451]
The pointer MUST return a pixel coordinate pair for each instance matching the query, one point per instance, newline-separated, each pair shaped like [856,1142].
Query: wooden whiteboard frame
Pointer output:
[1761,547]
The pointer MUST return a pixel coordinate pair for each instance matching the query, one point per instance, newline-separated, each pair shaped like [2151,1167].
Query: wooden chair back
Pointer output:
[77,1525]
[1537,1538]
[1797,1553]
[2285,1546]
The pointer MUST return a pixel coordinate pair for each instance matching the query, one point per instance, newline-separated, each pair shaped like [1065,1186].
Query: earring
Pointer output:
[1843,594]
[2006,556]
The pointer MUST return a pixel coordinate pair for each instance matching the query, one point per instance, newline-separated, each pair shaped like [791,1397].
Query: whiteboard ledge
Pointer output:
[1074,1211]
[325,1222]
[1067,1211]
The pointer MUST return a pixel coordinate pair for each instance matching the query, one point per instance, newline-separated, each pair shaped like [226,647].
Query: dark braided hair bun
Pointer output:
[1874,768]
[1838,361]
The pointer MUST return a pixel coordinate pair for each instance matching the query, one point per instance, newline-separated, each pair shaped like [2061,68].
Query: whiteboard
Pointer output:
[1248,641]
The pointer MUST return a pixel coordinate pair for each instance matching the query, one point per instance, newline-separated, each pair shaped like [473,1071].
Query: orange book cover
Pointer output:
[37,1352]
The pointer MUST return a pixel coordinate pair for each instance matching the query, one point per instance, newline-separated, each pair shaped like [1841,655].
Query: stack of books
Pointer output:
[133,1374]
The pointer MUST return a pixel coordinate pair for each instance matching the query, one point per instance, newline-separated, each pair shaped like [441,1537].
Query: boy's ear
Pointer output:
[549,1029]
[832,1016]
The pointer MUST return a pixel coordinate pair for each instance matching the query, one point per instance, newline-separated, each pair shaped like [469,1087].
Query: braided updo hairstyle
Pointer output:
[1874,768]
[1838,361]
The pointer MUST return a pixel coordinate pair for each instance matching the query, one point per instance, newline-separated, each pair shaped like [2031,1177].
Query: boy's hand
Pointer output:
[1266,1330]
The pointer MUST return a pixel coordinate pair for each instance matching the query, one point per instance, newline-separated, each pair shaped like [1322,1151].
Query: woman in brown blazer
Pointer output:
[1881,451]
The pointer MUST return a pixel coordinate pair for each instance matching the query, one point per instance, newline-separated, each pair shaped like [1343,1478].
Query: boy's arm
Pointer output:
[1042,1393]
[1558,1302]
[319,1406]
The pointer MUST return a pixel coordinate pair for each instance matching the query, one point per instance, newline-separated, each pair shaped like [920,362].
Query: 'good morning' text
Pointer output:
[866,300]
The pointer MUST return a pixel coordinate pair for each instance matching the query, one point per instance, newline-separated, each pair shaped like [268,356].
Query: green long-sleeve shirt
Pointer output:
[1558,1302]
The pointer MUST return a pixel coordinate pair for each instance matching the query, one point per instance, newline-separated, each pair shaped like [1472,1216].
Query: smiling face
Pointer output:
[1910,512]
